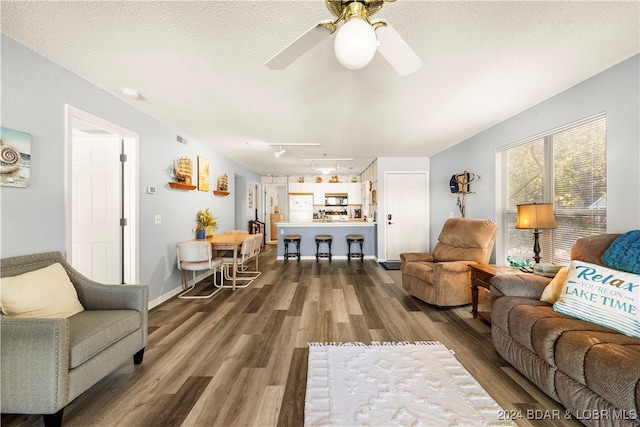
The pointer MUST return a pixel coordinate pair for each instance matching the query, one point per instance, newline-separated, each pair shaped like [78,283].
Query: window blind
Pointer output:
[566,167]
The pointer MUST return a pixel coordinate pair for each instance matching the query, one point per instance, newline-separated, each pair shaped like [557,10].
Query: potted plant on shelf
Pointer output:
[205,224]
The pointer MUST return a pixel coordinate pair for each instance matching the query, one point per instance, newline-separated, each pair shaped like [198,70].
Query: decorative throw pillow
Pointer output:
[552,290]
[602,295]
[624,253]
[44,293]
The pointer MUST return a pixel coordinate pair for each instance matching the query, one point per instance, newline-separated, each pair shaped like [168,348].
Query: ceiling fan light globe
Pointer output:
[355,44]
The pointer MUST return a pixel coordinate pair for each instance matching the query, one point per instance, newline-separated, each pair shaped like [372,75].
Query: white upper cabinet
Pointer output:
[318,194]
[354,192]
[301,187]
[336,187]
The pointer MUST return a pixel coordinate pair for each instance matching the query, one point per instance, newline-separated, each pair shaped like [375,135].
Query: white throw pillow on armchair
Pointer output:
[43,293]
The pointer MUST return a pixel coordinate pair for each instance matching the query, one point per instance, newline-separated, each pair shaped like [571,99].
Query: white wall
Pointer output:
[615,91]
[34,94]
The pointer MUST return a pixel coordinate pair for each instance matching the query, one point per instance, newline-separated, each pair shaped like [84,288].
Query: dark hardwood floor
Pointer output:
[240,358]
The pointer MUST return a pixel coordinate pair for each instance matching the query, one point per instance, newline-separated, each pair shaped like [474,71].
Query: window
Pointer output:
[566,167]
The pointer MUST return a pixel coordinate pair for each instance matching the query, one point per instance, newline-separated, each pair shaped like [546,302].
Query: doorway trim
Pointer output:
[130,188]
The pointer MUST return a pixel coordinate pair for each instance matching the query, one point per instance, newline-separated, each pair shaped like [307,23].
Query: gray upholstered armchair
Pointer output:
[48,362]
[443,277]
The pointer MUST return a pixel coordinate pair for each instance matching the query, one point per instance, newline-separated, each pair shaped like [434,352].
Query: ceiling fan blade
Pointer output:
[299,46]
[396,51]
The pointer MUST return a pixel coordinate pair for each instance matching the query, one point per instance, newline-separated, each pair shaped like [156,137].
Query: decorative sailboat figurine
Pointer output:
[223,183]
[183,170]
[223,186]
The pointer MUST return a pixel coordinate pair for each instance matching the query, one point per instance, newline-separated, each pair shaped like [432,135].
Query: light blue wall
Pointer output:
[34,94]
[615,91]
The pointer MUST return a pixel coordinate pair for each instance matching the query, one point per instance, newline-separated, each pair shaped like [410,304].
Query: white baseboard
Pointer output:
[165,297]
[175,291]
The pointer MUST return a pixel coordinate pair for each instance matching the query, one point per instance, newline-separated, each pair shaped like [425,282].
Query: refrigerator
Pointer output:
[301,208]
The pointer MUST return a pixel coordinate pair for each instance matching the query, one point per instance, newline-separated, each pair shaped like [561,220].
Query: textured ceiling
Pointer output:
[199,67]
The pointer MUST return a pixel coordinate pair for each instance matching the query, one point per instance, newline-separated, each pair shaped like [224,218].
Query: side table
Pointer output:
[481,275]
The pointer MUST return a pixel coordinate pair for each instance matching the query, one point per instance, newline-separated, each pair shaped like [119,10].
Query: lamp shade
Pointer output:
[536,216]
[355,44]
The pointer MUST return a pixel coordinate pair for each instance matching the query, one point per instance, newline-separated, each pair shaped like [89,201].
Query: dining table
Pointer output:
[228,242]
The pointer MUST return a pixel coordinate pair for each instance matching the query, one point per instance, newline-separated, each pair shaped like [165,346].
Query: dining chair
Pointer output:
[229,253]
[196,255]
[246,253]
[257,248]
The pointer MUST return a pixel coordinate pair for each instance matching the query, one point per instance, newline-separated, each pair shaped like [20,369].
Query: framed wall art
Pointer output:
[203,174]
[15,165]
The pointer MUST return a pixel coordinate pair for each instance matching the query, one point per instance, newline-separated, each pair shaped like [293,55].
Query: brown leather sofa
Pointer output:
[443,277]
[592,370]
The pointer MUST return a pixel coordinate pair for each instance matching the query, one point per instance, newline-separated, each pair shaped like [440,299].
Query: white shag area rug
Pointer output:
[394,384]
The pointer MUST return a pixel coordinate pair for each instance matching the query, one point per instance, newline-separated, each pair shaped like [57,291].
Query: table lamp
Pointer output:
[536,216]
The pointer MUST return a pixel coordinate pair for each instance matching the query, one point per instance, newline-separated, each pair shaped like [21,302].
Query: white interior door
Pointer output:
[96,202]
[407,213]
[102,189]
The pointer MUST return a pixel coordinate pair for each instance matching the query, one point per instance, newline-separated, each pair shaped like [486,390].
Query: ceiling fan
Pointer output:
[356,40]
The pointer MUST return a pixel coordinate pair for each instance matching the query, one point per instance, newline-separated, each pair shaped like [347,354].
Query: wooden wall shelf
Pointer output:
[220,193]
[181,186]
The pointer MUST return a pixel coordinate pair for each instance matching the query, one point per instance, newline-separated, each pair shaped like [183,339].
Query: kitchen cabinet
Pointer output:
[352,189]
[354,193]
[293,187]
[318,194]
[301,187]
[336,187]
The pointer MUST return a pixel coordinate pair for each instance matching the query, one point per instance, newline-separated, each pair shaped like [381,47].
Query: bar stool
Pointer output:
[295,239]
[355,238]
[323,238]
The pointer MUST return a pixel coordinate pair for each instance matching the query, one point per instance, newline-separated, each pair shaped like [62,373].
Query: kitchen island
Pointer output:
[339,231]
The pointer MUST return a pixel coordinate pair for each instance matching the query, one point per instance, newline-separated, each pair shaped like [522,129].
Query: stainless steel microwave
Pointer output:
[335,200]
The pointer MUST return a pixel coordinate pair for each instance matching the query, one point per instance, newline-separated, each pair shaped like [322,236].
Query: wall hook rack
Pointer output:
[459,184]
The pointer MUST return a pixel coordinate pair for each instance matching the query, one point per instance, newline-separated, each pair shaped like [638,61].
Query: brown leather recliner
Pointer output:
[443,277]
